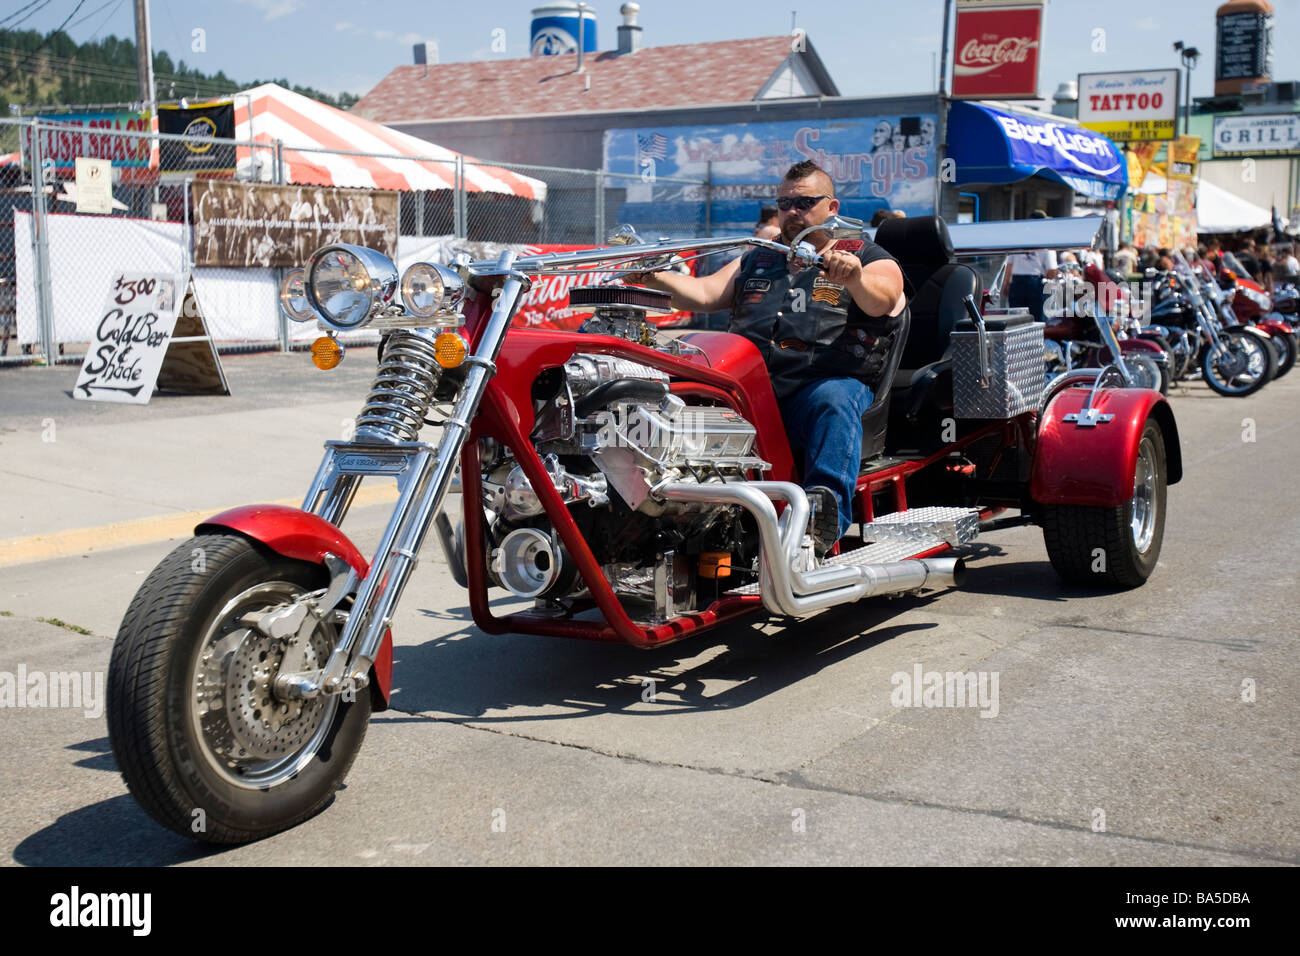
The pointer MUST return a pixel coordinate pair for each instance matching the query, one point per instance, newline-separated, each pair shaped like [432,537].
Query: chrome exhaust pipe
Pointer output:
[785,589]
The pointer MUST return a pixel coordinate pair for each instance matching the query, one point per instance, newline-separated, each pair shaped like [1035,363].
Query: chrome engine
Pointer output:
[608,431]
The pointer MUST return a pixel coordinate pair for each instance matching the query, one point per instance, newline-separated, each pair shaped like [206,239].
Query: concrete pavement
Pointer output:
[1154,726]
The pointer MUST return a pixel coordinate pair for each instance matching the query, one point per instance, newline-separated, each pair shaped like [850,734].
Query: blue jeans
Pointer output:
[825,420]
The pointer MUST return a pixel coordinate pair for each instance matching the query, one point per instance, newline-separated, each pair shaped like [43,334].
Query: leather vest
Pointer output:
[807,327]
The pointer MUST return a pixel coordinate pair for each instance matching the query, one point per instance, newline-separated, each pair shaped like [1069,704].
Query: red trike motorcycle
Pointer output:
[636,488]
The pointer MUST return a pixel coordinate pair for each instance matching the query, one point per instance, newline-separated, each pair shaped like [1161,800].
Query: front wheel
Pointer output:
[1240,366]
[1148,373]
[203,742]
[1118,546]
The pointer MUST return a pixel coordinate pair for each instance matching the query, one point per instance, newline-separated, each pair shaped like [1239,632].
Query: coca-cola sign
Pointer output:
[996,53]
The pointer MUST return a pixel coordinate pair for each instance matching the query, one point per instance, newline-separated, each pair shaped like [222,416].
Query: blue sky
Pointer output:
[870,46]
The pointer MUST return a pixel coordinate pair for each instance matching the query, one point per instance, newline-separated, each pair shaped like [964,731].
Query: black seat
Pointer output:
[923,249]
[875,421]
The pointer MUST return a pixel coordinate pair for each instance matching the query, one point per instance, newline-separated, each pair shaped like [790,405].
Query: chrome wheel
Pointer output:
[1143,523]
[251,738]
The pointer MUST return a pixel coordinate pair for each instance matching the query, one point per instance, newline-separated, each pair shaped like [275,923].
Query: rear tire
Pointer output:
[202,742]
[1113,547]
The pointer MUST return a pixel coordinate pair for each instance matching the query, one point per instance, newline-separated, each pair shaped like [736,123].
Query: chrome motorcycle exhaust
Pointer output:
[784,587]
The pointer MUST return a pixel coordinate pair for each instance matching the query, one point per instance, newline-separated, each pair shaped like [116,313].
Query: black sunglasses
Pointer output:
[802,203]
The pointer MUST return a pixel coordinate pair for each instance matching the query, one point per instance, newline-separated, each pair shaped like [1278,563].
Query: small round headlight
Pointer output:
[293,296]
[422,290]
[428,289]
[345,283]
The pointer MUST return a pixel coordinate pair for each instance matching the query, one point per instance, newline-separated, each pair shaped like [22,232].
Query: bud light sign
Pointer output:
[996,54]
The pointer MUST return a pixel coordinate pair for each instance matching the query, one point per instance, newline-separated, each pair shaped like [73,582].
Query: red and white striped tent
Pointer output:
[301,124]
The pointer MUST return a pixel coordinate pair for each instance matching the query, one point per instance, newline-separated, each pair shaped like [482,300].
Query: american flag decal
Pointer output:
[655,146]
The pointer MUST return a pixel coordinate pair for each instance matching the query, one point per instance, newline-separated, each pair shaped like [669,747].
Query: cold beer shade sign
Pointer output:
[996,51]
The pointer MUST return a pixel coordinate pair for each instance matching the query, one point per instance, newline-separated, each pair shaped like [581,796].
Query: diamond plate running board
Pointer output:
[956,526]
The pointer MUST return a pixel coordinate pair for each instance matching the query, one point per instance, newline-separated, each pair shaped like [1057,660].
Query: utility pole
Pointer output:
[143,54]
[943,56]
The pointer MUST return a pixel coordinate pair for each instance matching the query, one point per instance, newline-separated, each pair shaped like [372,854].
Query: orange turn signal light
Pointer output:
[715,564]
[450,349]
[326,353]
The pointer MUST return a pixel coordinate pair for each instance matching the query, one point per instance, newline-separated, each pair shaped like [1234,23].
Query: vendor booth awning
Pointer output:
[1218,210]
[993,146]
[302,125]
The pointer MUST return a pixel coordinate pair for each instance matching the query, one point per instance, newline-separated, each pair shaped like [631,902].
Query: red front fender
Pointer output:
[1095,466]
[304,536]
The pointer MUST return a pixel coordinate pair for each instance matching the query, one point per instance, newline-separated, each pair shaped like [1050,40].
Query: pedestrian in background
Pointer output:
[1022,285]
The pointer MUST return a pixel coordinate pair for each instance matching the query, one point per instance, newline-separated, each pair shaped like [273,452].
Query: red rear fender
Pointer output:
[304,536]
[1095,465]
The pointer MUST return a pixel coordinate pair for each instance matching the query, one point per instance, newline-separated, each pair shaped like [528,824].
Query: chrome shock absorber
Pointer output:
[403,389]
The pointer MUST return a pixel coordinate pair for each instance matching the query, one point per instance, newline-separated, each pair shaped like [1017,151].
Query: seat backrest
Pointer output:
[923,249]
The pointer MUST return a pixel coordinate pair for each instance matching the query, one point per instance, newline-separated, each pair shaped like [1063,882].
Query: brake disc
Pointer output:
[240,715]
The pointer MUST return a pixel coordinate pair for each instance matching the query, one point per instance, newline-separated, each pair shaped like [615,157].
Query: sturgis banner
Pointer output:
[249,224]
[209,121]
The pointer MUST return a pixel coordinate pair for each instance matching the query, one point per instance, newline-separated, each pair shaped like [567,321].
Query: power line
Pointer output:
[35,3]
[111,3]
[80,3]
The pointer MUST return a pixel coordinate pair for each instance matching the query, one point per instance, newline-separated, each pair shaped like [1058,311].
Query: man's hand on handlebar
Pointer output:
[842,268]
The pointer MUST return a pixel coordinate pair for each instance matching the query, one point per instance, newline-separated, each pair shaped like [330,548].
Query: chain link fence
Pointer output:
[57,265]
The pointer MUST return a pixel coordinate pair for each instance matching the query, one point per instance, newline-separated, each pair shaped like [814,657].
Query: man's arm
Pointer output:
[876,287]
[712,293]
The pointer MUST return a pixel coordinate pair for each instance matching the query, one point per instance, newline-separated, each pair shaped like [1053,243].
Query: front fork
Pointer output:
[423,473]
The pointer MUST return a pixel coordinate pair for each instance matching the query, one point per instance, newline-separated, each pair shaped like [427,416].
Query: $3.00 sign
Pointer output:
[131,339]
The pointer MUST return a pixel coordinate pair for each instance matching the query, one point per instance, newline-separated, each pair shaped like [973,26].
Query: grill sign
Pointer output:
[996,54]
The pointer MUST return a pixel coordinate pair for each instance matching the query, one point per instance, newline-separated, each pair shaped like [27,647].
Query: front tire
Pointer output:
[204,745]
[1244,365]
[1113,547]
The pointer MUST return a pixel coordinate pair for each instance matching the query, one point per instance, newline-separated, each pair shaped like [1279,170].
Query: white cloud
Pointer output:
[343,25]
[1147,23]
[383,34]
[275,9]
[410,38]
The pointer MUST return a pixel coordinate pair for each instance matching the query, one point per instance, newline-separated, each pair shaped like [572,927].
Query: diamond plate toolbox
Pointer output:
[1017,372]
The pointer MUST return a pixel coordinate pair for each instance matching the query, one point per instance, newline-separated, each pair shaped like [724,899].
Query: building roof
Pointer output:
[663,77]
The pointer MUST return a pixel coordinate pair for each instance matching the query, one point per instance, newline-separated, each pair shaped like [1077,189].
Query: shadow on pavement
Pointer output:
[113,832]
[468,673]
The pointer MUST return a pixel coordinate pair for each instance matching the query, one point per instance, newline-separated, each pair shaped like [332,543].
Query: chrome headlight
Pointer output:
[293,297]
[429,289]
[345,284]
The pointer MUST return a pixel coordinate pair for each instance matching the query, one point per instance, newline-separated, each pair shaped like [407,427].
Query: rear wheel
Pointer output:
[1242,365]
[1119,546]
[203,742]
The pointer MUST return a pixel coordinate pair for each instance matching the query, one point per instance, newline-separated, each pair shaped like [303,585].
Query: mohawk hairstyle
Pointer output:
[806,168]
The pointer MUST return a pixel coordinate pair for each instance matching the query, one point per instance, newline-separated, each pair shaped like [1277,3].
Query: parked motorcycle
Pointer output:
[1089,327]
[1247,303]
[1234,360]
[638,489]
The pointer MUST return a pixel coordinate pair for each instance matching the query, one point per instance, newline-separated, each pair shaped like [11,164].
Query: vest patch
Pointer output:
[757,285]
[848,245]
